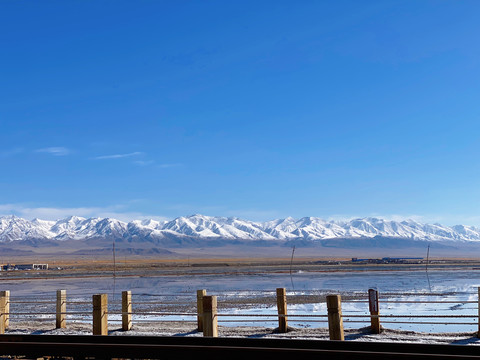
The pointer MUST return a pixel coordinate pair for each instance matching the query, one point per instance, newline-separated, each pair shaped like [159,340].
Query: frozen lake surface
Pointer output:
[442,292]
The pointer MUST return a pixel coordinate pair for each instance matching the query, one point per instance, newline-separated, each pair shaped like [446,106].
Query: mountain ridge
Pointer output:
[201,227]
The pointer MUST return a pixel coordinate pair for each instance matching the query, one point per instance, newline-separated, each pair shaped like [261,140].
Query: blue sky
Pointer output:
[259,110]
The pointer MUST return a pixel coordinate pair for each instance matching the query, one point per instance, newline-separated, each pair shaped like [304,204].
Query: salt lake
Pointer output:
[436,292]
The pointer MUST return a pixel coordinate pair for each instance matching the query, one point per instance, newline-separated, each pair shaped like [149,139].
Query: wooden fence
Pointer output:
[207,315]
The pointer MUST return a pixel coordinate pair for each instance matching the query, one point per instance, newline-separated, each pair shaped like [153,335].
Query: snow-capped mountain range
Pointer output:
[200,227]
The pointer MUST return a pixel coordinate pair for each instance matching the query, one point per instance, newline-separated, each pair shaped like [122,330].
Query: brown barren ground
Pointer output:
[133,266]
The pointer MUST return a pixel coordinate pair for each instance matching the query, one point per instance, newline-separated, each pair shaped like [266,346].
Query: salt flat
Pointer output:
[249,289]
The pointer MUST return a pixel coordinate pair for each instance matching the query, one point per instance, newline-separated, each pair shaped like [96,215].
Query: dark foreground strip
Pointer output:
[147,347]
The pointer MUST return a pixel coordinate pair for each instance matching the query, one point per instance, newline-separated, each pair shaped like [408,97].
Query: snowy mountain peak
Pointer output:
[230,228]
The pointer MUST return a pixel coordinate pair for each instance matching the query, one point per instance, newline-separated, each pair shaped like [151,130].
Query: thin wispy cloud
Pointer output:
[55,151]
[166,166]
[445,219]
[144,162]
[120,212]
[254,214]
[118,156]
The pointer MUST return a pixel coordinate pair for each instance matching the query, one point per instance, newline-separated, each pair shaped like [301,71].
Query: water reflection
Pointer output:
[438,281]
[440,285]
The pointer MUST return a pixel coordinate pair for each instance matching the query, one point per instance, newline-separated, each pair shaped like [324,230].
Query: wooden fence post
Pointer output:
[210,321]
[100,314]
[6,318]
[335,321]
[61,318]
[3,312]
[126,310]
[282,310]
[374,311]
[478,333]
[200,295]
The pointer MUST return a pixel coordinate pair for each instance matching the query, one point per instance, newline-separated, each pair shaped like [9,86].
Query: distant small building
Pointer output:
[10,267]
[40,266]
[387,260]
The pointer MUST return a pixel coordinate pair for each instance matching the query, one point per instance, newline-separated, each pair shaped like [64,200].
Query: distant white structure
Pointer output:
[40,266]
[9,267]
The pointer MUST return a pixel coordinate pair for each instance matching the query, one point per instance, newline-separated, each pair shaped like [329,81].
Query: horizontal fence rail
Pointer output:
[207,310]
